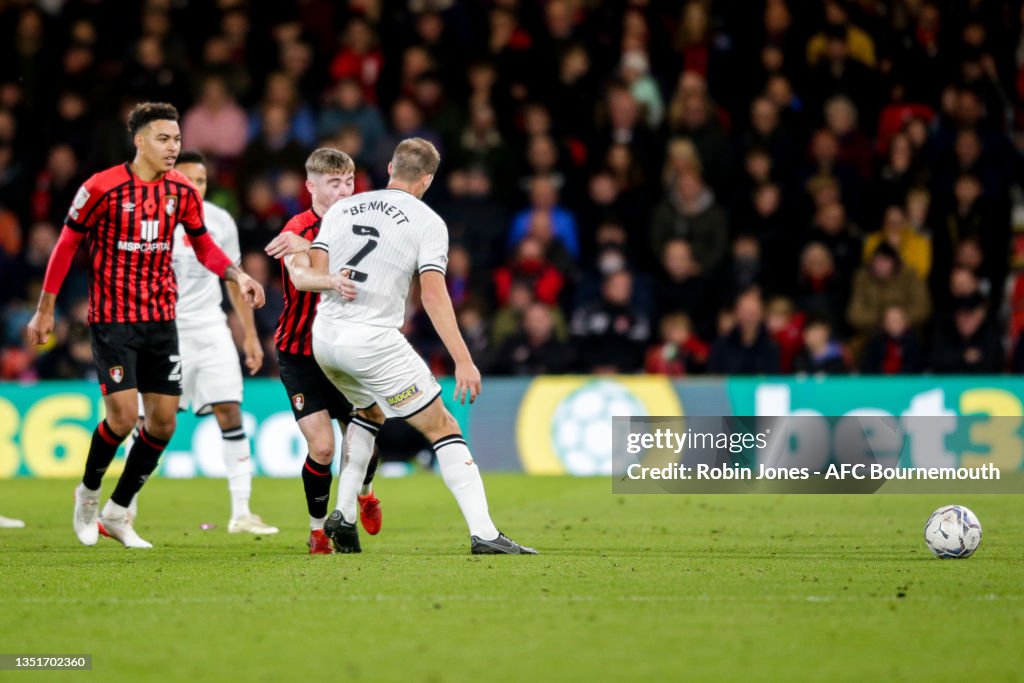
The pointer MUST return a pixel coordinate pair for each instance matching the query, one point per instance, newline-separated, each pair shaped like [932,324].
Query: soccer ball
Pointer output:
[952,531]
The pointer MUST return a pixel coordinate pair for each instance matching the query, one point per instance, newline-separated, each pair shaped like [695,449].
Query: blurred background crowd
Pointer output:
[674,187]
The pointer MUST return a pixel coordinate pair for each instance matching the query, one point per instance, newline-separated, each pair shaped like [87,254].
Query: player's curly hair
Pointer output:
[329,161]
[148,112]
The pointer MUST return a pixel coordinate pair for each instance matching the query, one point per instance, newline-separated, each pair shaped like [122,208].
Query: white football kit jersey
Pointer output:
[385,237]
[199,293]
[210,370]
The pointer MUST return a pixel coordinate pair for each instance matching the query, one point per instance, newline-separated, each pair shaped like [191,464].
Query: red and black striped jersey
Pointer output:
[130,226]
[295,327]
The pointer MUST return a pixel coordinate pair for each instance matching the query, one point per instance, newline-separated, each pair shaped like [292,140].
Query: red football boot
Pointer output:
[369,513]
[318,543]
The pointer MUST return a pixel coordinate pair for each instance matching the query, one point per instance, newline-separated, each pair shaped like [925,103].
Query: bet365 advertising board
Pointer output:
[545,425]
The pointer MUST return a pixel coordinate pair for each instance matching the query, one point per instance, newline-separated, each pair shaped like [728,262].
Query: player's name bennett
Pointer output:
[859,471]
[387,209]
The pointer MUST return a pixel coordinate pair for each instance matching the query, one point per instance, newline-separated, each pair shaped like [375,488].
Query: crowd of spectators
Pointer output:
[677,187]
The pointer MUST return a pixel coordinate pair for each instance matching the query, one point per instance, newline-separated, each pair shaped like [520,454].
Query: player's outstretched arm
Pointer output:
[41,325]
[251,345]
[308,272]
[287,243]
[438,305]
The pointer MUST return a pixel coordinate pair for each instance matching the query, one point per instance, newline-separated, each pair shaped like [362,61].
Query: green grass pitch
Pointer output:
[627,588]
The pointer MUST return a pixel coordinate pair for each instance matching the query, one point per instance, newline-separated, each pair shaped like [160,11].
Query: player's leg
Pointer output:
[159,380]
[212,383]
[356,455]
[462,476]
[133,507]
[316,428]
[302,380]
[370,514]
[114,348]
[237,455]
[156,431]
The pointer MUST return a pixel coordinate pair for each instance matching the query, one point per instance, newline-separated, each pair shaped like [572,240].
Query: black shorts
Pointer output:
[309,390]
[141,356]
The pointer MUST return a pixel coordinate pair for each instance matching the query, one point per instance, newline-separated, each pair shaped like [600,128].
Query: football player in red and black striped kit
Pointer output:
[314,399]
[128,213]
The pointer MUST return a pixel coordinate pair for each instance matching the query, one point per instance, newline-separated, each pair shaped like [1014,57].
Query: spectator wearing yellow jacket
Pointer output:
[861,46]
[915,249]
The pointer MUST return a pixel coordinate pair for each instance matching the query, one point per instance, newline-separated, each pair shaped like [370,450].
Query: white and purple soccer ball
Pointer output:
[952,531]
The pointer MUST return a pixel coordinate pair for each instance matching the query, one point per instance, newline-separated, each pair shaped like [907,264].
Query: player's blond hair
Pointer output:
[329,161]
[414,158]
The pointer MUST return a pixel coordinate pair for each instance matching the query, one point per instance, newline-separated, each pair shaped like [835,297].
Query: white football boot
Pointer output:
[8,523]
[119,527]
[250,524]
[87,506]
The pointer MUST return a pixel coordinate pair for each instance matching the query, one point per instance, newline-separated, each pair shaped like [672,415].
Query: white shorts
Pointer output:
[210,371]
[371,364]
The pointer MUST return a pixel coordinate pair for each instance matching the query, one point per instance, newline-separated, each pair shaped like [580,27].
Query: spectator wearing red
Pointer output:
[359,58]
[785,325]
[854,146]
[894,349]
[56,185]
[680,352]
[897,114]
[820,291]
[532,267]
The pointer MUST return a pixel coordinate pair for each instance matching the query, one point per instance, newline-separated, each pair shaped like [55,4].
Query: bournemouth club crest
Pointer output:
[117,373]
[298,400]
[171,205]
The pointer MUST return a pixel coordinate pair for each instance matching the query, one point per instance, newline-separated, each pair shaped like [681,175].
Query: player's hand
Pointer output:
[467,382]
[343,285]
[40,327]
[252,291]
[287,243]
[253,354]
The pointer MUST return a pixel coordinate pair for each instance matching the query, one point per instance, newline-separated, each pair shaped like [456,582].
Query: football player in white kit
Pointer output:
[211,377]
[381,239]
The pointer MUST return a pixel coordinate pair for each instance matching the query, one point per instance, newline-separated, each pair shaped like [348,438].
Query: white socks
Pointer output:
[316,523]
[462,477]
[357,451]
[238,463]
